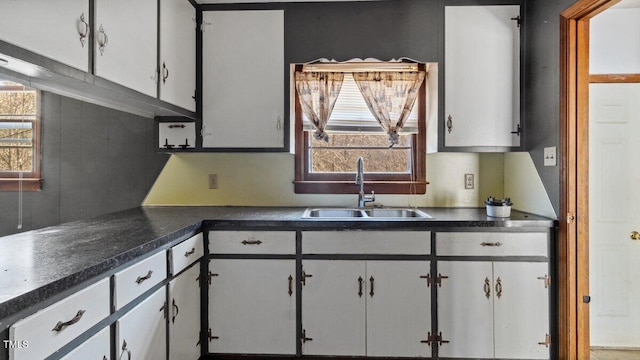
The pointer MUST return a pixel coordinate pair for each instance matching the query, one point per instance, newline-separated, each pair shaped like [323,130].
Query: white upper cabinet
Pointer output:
[178,53]
[243,79]
[50,28]
[482,76]
[126,43]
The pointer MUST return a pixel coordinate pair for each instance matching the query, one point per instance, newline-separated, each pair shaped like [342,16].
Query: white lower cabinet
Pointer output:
[184,315]
[97,347]
[252,306]
[142,332]
[493,309]
[366,308]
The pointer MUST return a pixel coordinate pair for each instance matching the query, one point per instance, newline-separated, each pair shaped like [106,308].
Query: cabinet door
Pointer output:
[252,306]
[465,312]
[482,76]
[49,28]
[142,332]
[243,79]
[521,310]
[184,315]
[333,307]
[97,347]
[178,53]
[128,30]
[398,308]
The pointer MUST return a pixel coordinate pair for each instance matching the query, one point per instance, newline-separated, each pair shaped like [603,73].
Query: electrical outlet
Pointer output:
[213,181]
[468,181]
[550,156]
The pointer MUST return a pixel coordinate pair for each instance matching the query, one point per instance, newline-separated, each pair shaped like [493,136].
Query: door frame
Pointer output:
[573,244]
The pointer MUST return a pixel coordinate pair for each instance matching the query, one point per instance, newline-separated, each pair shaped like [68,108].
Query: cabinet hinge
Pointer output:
[546,279]
[433,338]
[210,275]
[571,218]
[518,20]
[304,337]
[304,278]
[209,337]
[547,341]
[434,281]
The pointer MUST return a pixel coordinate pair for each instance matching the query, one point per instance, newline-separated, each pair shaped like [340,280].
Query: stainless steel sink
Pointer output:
[333,213]
[396,213]
[365,214]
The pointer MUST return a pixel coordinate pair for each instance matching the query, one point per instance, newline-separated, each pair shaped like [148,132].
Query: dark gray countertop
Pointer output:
[38,265]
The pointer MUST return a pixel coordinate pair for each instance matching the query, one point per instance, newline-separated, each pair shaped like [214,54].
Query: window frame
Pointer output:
[381,183]
[31,181]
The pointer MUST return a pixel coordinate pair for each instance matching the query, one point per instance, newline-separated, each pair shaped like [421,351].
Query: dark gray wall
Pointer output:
[95,160]
[542,87]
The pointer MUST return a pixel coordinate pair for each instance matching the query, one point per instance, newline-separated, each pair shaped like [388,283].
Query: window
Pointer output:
[329,167]
[19,137]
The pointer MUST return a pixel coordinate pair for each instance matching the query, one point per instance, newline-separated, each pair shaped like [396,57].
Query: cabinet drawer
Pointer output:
[97,347]
[53,327]
[491,244]
[138,278]
[366,242]
[185,253]
[252,242]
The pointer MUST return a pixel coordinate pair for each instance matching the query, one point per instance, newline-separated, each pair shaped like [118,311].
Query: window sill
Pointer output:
[13,184]
[350,187]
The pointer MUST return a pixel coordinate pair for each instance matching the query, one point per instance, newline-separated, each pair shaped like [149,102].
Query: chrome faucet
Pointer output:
[362,198]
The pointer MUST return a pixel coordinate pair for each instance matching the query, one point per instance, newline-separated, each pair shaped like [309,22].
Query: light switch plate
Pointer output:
[550,156]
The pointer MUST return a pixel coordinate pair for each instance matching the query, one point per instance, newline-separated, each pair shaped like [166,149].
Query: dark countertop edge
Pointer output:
[51,292]
[20,306]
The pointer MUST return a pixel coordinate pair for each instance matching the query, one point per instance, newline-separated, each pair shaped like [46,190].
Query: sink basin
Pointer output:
[333,213]
[365,214]
[396,213]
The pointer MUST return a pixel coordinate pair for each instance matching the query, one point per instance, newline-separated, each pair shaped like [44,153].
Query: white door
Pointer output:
[178,53]
[49,28]
[141,333]
[334,307]
[482,75]
[184,315]
[128,31]
[252,306]
[465,309]
[521,310]
[614,202]
[398,308]
[243,79]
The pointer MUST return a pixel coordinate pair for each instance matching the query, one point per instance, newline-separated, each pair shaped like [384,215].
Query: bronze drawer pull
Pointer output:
[190,252]
[61,325]
[251,242]
[140,279]
[125,350]
[484,243]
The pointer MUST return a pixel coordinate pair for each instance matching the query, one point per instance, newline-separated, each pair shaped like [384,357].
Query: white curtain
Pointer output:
[390,97]
[318,92]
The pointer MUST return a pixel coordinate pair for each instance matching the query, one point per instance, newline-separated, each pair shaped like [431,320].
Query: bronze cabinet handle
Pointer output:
[290,278]
[371,281]
[499,288]
[125,350]
[360,283]
[165,73]
[484,243]
[487,288]
[251,242]
[140,279]
[635,235]
[175,312]
[61,325]
[83,32]
[190,252]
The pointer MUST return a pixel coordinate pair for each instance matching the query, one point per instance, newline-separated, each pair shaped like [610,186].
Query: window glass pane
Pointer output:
[16,146]
[17,116]
[340,154]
